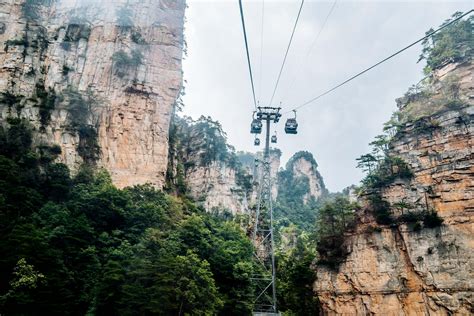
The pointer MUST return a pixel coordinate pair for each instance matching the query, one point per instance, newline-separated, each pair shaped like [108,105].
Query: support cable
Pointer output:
[261,51]
[380,62]
[248,54]
[313,44]
[286,54]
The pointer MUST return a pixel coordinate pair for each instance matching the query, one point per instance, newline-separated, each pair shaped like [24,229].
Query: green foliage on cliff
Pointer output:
[46,102]
[31,8]
[334,218]
[80,107]
[124,17]
[81,246]
[454,43]
[75,31]
[293,204]
[11,101]
[296,278]
[124,62]
[213,141]
[381,166]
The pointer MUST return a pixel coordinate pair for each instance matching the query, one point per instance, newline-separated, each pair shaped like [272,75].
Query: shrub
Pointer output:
[76,31]
[432,219]
[66,70]
[381,209]
[46,103]
[16,42]
[137,38]
[48,153]
[78,108]
[30,9]
[455,43]
[80,112]
[136,58]
[124,18]
[417,227]
[332,251]
[88,147]
[10,100]
[410,217]
[123,61]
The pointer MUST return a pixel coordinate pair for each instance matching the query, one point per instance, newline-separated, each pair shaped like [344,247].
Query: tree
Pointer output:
[366,162]
[455,43]
[334,219]
[296,278]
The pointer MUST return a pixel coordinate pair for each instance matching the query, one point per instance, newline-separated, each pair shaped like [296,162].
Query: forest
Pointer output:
[80,246]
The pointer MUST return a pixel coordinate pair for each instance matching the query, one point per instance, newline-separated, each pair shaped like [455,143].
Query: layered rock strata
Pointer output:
[403,269]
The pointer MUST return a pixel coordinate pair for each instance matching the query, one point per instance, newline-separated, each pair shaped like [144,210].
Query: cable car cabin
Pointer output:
[256,126]
[274,139]
[256,142]
[291,126]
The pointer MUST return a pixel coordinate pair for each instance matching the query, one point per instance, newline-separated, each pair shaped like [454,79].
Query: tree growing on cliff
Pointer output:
[295,279]
[455,43]
[333,220]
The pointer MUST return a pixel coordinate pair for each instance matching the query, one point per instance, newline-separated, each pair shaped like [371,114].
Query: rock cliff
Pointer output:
[408,268]
[301,181]
[99,78]
[206,168]
[303,165]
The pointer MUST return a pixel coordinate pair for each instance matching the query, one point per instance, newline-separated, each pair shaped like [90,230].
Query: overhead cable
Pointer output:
[261,51]
[286,53]
[313,44]
[248,54]
[380,62]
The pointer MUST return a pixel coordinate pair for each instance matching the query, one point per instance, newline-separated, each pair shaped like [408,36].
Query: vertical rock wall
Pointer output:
[69,46]
[401,269]
[216,188]
[305,167]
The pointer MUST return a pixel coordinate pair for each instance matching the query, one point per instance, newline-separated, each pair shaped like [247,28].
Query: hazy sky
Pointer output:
[338,127]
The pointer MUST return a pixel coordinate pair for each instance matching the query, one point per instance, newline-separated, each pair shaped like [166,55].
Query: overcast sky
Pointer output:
[338,127]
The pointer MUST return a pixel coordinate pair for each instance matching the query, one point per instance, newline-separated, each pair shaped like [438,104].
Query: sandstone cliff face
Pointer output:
[301,178]
[216,188]
[305,167]
[122,57]
[203,166]
[401,270]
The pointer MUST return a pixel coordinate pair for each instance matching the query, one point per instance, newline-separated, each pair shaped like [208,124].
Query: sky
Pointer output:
[337,128]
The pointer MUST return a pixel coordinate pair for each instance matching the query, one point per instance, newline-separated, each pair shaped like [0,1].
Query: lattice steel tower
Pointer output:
[262,235]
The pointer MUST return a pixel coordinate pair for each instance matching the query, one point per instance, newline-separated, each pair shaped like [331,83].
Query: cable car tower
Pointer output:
[262,235]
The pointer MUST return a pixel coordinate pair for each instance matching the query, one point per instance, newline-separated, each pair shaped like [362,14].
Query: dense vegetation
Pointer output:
[455,43]
[296,277]
[81,246]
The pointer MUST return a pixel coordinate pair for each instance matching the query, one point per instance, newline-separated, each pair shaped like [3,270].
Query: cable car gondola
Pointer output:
[256,142]
[274,138]
[291,125]
[256,126]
